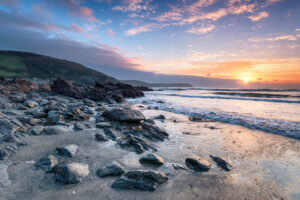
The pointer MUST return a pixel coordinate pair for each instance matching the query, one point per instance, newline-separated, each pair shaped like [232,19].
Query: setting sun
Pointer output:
[245,79]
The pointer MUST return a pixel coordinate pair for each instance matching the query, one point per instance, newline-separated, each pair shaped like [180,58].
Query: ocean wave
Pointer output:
[233,98]
[232,89]
[255,94]
[275,126]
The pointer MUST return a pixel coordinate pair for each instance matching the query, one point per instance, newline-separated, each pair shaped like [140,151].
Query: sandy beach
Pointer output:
[265,166]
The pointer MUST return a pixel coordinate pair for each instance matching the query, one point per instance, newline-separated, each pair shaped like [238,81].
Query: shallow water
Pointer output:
[275,111]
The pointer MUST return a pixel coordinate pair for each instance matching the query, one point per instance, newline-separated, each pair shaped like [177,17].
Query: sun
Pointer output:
[245,79]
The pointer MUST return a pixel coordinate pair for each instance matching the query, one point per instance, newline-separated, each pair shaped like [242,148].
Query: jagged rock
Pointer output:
[135,143]
[53,130]
[54,117]
[4,177]
[112,134]
[37,130]
[44,102]
[8,151]
[222,162]
[16,137]
[68,150]
[29,120]
[64,87]
[46,163]
[153,132]
[114,169]
[101,137]
[30,104]
[143,180]
[124,115]
[197,163]
[153,159]
[71,173]
[6,127]
[103,125]
[18,98]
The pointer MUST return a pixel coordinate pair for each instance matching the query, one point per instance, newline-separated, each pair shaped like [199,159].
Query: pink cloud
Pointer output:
[259,16]
[110,31]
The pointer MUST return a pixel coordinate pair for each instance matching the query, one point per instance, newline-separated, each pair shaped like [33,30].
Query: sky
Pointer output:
[229,43]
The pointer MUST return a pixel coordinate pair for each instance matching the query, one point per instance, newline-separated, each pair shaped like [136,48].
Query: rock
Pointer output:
[44,102]
[29,120]
[66,88]
[124,115]
[30,104]
[18,98]
[46,163]
[38,113]
[4,178]
[103,125]
[222,162]
[153,133]
[152,159]
[112,134]
[135,143]
[53,130]
[160,117]
[197,163]
[177,166]
[37,130]
[7,151]
[143,180]
[101,137]
[114,169]
[149,121]
[6,127]
[79,126]
[71,173]
[16,138]
[68,150]
[54,117]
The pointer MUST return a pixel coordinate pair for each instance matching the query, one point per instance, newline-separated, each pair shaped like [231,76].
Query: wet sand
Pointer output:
[266,166]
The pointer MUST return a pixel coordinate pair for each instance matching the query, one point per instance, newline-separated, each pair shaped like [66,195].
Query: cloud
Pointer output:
[75,8]
[77,28]
[259,16]
[110,31]
[145,28]
[201,30]
[273,39]
[168,16]
[134,6]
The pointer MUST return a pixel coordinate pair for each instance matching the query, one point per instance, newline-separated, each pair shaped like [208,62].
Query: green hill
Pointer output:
[30,65]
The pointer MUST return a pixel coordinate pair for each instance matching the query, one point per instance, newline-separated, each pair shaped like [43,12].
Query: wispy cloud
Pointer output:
[145,28]
[259,16]
[201,30]
[277,38]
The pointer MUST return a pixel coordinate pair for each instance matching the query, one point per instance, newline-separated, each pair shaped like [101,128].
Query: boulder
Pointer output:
[29,120]
[177,167]
[114,169]
[71,173]
[7,151]
[54,117]
[53,130]
[222,162]
[79,126]
[37,130]
[46,163]
[124,115]
[152,159]
[68,150]
[66,88]
[160,117]
[30,104]
[142,180]
[135,143]
[197,163]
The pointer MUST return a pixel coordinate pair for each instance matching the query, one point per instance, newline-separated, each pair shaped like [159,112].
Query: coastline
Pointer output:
[265,165]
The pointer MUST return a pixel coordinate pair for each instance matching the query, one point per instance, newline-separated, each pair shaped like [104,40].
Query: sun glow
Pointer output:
[245,79]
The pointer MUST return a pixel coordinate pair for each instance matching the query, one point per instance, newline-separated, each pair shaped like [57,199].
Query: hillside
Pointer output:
[23,64]
[145,84]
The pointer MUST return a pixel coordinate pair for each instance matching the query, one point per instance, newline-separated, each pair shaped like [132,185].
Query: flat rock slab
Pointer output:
[68,150]
[114,169]
[124,115]
[71,173]
[197,163]
[103,125]
[152,159]
[142,180]
[6,127]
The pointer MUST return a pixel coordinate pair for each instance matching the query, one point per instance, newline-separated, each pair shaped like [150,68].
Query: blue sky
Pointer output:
[135,39]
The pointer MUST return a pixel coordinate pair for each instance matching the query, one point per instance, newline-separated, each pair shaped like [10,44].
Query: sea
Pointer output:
[269,110]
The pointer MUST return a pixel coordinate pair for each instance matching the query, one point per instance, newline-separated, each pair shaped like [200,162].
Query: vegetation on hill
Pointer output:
[30,65]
